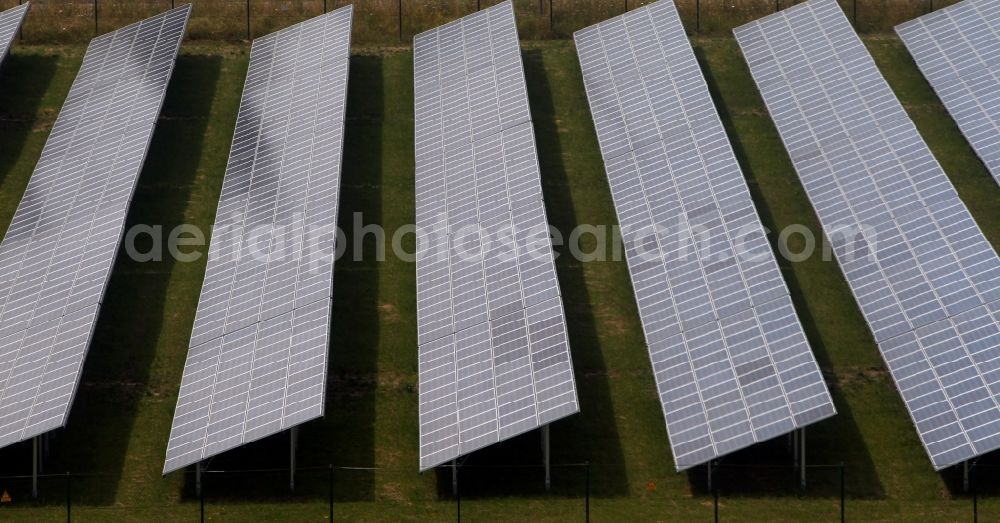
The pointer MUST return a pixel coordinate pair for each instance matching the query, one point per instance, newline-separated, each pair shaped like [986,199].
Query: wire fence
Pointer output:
[394,22]
[469,492]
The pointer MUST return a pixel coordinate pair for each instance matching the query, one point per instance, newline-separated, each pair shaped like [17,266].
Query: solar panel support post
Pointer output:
[330,493]
[697,16]
[400,21]
[965,476]
[802,458]
[587,494]
[248,19]
[715,492]
[96,32]
[545,456]
[455,491]
[709,466]
[197,479]
[293,438]
[34,467]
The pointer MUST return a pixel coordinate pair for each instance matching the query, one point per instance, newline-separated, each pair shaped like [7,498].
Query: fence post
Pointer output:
[248,20]
[69,504]
[587,493]
[975,494]
[201,496]
[842,492]
[697,16]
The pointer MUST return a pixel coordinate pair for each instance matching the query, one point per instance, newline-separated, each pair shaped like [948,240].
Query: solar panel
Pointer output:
[10,24]
[958,50]
[494,357]
[57,255]
[257,359]
[731,360]
[923,274]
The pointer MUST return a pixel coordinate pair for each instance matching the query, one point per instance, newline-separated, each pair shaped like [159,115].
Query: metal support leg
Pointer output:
[34,467]
[197,479]
[795,448]
[965,476]
[293,440]
[802,459]
[454,477]
[545,456]
[709,465]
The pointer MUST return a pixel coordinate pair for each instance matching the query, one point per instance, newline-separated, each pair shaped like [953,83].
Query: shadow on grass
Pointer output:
[345,437]
[24,80]
[115,376]
[829,442]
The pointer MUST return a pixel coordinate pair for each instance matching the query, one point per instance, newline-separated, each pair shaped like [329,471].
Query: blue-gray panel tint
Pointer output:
[57,255]
[493,348]
[958,50]
[923,274]
[258,353]
[10,25]
[731,360]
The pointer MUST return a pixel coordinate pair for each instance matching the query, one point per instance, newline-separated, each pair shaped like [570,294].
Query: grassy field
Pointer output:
[117,433]
[378,21]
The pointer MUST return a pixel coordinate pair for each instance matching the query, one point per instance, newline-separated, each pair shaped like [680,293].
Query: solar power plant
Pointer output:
[494,356]
[10,25]
[58,252]
[257,359]
[925,278]
[958,50]
[731,360]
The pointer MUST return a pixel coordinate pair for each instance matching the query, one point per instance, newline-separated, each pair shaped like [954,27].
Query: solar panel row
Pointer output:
[958,50]
[926,279]
[57,254]
[10,25]
[493,350]
[731,360]
[258,353]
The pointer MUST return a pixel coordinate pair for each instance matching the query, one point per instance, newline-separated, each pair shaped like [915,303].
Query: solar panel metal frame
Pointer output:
[257,360]
[923,274]
[957,49]
[494,357]
[704,315]
[10,25]
[51,286]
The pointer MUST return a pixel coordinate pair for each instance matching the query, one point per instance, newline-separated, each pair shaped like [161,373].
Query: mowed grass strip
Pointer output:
[122,416]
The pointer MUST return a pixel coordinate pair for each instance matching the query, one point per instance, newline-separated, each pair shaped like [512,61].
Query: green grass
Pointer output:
[118,429]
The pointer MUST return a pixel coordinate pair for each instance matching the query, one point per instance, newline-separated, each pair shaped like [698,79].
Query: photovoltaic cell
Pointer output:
[57,255]
[731,361]
[258,352]
[958,50]
[923,274]
[10,24]
[494,356]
